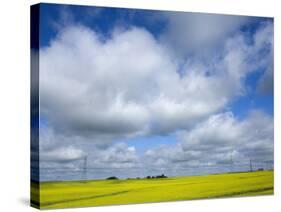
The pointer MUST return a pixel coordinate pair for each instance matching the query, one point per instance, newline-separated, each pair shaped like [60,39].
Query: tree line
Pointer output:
[147,177]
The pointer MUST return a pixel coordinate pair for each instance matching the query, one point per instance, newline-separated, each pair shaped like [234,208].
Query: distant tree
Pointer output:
[148,177]
[112,178]
[161,176]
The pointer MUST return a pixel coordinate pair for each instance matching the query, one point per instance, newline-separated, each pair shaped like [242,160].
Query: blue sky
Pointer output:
[104,94]
[97,18]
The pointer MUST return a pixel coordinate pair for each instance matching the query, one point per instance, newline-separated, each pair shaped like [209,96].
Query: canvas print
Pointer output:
[139,106]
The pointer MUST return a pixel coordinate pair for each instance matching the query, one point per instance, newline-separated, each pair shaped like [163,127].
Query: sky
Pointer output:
[141,92]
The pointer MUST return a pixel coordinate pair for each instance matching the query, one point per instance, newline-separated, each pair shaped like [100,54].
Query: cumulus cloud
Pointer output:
[63,157]
[128,85]
[120,153]
[63,154]
[56,147]
[221,139]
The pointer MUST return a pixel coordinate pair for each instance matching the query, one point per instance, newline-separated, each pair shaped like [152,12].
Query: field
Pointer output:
[111,192]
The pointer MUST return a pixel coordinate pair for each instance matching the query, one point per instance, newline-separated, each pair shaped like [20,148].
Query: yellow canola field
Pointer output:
[115,192]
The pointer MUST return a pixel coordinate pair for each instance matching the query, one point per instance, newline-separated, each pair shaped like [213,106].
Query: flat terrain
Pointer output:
[110,192]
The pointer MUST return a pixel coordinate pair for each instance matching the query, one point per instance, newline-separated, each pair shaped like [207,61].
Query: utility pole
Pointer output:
[85,168]
[231,160]
[251,166]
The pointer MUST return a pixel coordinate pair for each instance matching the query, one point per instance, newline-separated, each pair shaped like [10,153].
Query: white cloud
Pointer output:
[56,147]
[221,139]
[62,154]
[129,85]
[119,155]
[218,131]
[63,157]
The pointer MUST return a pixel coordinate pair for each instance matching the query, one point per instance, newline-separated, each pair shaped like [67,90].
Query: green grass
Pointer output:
[111,192]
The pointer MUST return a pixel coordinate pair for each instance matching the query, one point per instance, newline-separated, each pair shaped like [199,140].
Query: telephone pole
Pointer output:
[251,166]
[85,168]
[231,160]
